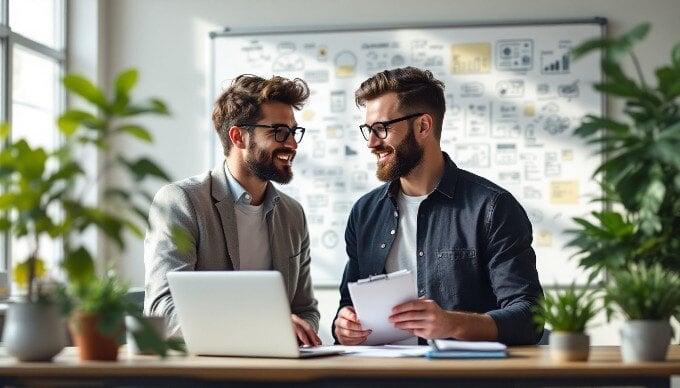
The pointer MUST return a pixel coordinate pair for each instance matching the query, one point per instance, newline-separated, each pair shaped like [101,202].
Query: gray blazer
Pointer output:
[203,207]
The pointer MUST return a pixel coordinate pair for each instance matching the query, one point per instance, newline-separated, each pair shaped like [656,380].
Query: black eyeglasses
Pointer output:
[379,128]
[281,131]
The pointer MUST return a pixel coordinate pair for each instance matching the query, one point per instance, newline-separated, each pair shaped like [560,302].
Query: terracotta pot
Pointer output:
[92,344]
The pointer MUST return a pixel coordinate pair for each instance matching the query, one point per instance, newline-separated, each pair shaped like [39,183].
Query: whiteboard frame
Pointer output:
[277,30]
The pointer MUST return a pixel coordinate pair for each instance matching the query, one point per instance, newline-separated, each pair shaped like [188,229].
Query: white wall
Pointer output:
[167,40]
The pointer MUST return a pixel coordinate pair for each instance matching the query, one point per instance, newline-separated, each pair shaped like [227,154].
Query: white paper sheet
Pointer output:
[373,300]
[387,351]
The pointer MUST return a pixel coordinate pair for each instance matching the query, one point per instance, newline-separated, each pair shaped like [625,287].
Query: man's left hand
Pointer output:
[305,332]
[423,318]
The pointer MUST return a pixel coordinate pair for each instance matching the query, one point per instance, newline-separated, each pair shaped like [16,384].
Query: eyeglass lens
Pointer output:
[282,132]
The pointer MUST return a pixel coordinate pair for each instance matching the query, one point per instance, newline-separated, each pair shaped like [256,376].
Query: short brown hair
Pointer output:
[241,102]
[417,92]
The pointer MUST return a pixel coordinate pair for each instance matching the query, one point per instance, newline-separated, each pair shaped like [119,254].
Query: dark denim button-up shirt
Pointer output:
[473,250]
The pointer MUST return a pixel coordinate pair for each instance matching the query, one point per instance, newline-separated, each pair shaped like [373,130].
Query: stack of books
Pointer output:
[466,349]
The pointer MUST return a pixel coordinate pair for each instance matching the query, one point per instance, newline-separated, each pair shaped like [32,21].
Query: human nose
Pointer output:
[373,139]
[290,141]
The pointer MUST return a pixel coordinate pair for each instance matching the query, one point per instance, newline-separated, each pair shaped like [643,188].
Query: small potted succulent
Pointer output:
[648,297]
[567,312]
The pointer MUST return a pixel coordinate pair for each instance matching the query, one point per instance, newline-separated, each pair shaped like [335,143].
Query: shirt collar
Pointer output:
[446,185]
[241,196]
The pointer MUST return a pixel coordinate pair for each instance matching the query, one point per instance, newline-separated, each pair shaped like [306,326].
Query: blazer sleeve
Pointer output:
[171,212]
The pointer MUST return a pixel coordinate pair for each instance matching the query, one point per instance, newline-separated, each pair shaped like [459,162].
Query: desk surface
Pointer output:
[525,362]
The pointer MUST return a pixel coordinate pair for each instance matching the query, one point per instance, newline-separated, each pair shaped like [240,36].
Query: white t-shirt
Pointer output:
[403,254]
[253,237]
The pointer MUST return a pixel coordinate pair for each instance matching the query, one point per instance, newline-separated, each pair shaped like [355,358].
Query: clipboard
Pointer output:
[374,298]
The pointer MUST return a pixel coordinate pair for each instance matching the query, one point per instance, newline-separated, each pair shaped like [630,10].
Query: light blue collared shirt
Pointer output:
[241,196]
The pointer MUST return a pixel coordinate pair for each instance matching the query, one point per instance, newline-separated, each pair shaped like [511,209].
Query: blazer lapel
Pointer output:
[225,207]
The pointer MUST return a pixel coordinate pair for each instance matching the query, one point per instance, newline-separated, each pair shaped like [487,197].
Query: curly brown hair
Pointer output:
[417,91]
[241,102]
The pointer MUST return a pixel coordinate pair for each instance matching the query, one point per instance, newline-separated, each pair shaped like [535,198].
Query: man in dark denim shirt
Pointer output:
[467,239]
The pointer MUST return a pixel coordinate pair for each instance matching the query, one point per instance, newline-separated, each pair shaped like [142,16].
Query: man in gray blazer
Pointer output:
[233,217]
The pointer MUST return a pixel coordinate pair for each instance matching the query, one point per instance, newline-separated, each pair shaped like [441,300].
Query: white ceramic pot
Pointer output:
[34,331]
[645,340]
[569,346]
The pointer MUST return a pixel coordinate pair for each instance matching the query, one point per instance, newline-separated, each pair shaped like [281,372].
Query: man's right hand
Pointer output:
[348,330]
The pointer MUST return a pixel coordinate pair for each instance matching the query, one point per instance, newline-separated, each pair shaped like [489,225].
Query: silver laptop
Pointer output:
[237,313]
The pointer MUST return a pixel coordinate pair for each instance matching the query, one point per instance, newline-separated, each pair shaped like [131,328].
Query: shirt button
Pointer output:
[396,214]
[422,291]
[420,253]
[392,231]
[382,246]
[248,196]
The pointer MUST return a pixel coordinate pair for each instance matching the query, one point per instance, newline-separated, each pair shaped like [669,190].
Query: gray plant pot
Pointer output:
[645,340]
[33,331]
[569,346]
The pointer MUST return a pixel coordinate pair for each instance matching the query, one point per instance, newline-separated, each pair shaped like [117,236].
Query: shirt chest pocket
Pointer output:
[456,273]
[456,254]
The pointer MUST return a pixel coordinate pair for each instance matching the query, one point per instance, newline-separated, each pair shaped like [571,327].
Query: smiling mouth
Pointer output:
[285,158]
[382,155]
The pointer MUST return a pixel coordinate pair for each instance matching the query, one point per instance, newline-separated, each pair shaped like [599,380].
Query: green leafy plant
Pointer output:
[567,310]
[45,191]
[640,166]
[643,292]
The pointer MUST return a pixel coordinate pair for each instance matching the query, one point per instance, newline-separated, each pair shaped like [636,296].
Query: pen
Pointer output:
[433,343]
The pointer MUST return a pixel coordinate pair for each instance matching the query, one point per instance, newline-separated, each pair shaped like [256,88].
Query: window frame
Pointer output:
[8,40]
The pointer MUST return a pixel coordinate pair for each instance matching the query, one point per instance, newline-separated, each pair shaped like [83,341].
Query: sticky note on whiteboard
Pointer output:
[564,192]
[471,58]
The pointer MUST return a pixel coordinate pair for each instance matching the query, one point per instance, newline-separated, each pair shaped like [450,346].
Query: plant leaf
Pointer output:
[85,89]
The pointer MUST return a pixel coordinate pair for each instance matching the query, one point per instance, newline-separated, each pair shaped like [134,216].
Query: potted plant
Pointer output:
[647,297]
[46,199]
[567,312]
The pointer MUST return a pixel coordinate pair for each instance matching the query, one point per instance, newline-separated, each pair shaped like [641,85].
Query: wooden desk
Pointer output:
[526,367]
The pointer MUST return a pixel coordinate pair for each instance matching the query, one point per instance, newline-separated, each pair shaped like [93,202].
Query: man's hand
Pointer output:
[305,332]
[348,330]
[424,318]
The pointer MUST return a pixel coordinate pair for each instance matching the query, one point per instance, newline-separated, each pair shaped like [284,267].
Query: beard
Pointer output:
[406,156]
[261,163]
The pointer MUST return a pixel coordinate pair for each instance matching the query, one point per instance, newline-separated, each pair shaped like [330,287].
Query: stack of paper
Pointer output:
[466,349]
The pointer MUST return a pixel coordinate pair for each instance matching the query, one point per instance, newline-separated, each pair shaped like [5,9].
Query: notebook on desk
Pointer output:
[236,313]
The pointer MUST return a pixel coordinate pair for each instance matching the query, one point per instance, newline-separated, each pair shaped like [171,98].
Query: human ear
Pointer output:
[425,122]
[236,137]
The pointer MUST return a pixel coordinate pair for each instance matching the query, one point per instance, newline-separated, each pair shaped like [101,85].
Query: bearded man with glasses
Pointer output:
[232,216]
[467,240]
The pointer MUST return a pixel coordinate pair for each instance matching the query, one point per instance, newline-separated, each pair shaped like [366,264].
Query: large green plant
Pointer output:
[567,310]
[640,166]
[44,195]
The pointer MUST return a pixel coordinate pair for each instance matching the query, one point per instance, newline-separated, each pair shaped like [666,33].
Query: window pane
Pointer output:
[34,98]
[36,20]
[34,109]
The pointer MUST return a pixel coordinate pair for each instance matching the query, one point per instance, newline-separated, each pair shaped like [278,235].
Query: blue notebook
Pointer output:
[465,354]
[466,349]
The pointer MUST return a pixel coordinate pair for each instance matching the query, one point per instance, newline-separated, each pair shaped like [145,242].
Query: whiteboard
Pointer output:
[513,100]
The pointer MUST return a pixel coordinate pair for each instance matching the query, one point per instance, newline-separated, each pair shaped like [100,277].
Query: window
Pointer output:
[32,52]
